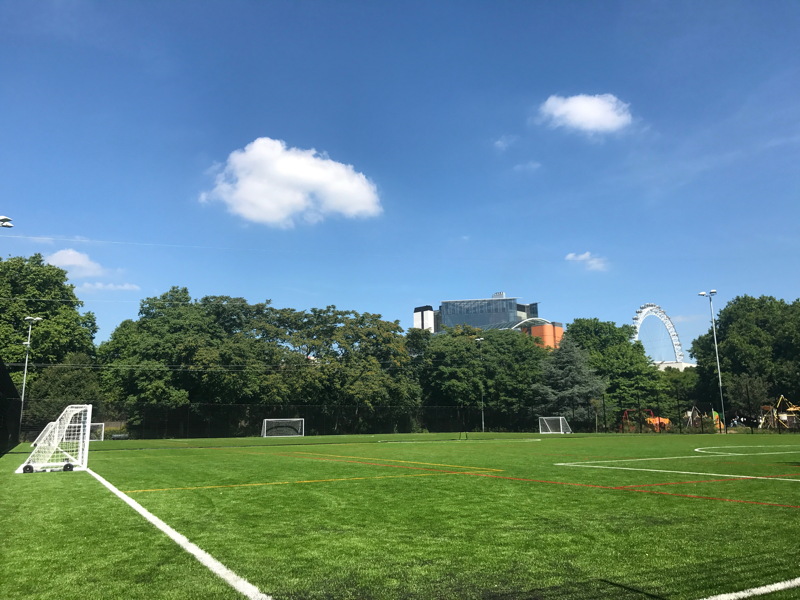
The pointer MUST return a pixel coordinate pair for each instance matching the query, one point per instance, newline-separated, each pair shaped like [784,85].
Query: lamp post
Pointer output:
[31,321]
[709,295]
[480,353]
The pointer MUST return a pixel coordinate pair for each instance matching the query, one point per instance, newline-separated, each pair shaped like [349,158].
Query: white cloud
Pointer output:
[108,287]
[77,264]
[603,113]
[269,183]
[528,166]
[592,263]
[504,141]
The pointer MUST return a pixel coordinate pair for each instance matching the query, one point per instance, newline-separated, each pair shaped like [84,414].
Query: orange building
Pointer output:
[549,333]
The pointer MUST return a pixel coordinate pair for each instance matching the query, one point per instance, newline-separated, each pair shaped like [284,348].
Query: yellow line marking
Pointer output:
[236,485]
[410,462]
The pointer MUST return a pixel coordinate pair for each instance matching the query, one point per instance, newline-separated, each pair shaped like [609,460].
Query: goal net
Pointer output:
[64,443]
[554,425]
[283,428]
[97,432]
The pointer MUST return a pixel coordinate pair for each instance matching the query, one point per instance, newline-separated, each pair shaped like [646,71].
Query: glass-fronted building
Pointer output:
[484,313]
[497,312]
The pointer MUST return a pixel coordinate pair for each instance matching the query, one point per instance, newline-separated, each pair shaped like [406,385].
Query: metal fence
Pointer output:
[244,420]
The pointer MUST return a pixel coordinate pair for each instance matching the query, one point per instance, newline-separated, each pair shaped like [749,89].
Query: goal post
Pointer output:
[554,425]
[283,428]
[64,444]
[97,432]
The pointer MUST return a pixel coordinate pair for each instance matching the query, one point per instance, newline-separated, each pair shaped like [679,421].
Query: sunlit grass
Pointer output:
[495,516]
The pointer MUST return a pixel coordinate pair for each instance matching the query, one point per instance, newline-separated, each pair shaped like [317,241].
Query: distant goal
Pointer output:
[283,428]
[554,425]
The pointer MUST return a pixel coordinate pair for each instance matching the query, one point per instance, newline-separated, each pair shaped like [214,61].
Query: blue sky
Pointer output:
[589,156]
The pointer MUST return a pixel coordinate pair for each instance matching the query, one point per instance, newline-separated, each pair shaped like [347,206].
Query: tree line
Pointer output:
[228,362]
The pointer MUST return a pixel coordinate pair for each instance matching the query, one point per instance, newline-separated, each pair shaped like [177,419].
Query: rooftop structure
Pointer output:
[497,312]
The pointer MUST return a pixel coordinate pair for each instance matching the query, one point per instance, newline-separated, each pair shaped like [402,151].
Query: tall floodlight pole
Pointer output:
[709,295]
[480,353]
[31,321]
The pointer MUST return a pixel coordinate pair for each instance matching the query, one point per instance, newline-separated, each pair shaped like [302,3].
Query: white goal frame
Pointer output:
[283,428]
[554,425]
[97,432]
[64,444]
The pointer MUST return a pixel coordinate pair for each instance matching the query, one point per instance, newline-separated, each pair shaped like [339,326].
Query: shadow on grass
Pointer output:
[595,589]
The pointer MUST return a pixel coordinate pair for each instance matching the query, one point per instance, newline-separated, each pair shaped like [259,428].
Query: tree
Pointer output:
[633,381]
[475,369]
[759,351]
[680,393]
[75,381]
[569,386]
[183,352]
[29,287]
[355,364]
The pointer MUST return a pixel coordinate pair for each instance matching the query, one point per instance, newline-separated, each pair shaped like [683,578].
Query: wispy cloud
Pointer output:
[603,113]
[505,141]
[270,183]
[592,263]
[77,264]
[528,166]
[108,287]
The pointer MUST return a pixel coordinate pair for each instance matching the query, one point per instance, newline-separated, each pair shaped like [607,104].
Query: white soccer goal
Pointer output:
[64,445]
[97,432]
[283,428]
[554,425]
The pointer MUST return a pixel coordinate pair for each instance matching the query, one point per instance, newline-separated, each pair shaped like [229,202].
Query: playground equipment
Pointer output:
[638,419]
[693,418]
[782,415]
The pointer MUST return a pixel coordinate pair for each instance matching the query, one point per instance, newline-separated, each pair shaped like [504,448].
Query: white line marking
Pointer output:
[702,453]
[759,591]
[242,586]
[711,449]
[677,472]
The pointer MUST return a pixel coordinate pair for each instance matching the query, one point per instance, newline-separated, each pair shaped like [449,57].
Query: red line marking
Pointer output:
[589,485]
[739,478]
[714,498]
[629,489]
[623,488]
[640,485]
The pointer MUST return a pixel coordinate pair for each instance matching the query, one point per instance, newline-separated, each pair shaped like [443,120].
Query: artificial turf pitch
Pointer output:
[496,516]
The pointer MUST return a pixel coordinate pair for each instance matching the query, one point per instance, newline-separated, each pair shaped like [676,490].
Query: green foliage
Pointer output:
[31,288]
[632,380]
[570,387]
[759,350]
[474,369]
[75,381]
[222,350]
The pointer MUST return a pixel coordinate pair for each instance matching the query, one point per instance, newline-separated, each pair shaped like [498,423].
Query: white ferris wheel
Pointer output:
[654,310]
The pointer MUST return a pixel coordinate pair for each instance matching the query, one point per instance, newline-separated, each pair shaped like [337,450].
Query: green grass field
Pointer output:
[496,517]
